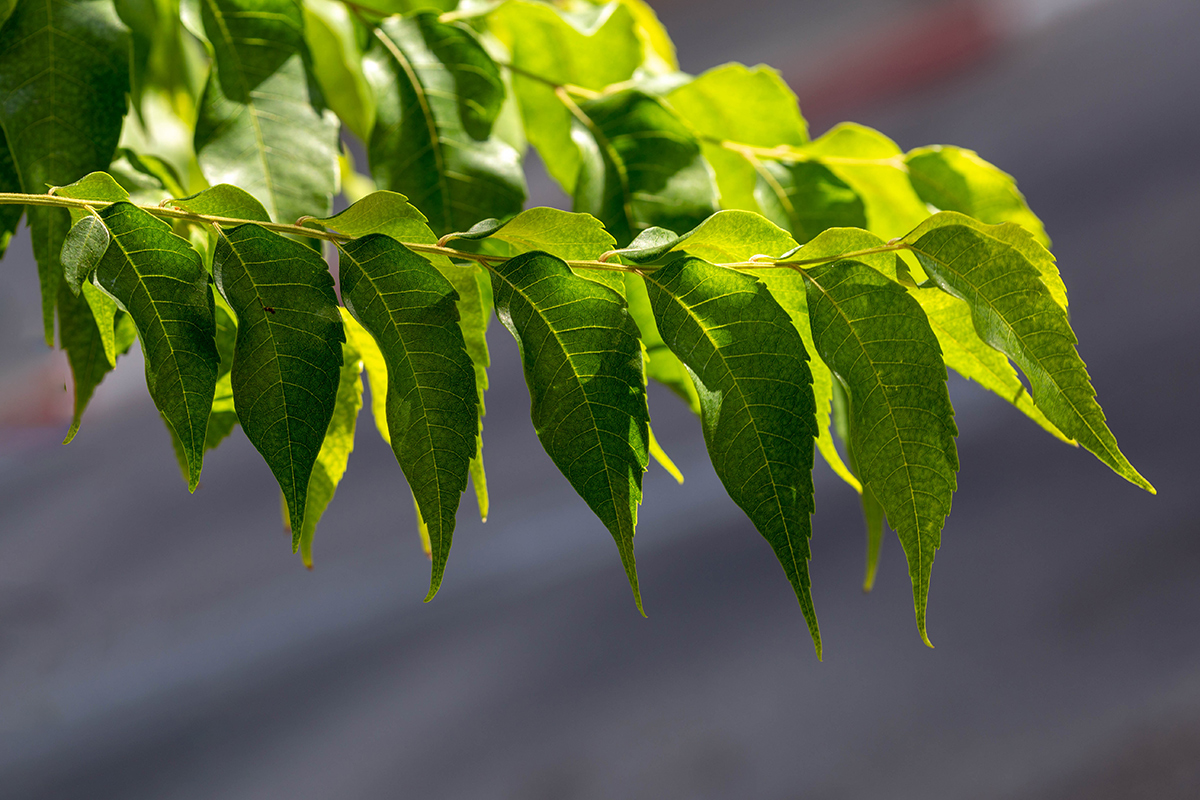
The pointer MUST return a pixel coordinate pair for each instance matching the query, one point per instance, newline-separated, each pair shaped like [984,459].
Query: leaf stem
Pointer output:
[485,260]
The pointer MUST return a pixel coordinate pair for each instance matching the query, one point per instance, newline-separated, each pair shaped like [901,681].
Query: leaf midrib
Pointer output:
[420,390]
[741,394]
[587,399]
[1053,378]
[891,417]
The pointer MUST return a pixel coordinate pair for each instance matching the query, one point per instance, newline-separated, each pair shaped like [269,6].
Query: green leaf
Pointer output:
[64,72]
[956,179]
[158,279]
[259,127]
[83,247]
[873,167]
[224,200]
[876,340]
[333,37]
[657,44]
[438,95]
[807,198]
[392,215]
[432,414]
[642,168]
[288,357]
[148,179]
[546,49]
[737,236]
[81,320]
[583,365]
[1015,312]
[750,369]
[748,105]
[335,450]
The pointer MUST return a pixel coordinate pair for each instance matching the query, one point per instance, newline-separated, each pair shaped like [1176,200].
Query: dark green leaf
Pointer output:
[392,215]
[259,126]
[64,72]
[583,365]
[160,281]
[641,167]
[83,248]
[1015,312]
[288,357]
[438,94]
[79,330]
[876,340]
[409,309]
[751,372]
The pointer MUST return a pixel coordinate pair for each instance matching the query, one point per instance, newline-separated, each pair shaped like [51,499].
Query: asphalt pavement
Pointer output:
[159,645]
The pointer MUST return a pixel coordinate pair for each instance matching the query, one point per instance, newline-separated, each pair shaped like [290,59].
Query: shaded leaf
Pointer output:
[807,198]
[432,413]
[876,340]
[259,126]
[64,72]
[392,215]
[10,181]
[288,356]
[583,365]
[641,168]
[751,372]
[1016,313]
[438,94]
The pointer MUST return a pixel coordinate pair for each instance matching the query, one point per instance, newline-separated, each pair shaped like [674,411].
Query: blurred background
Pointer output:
[156,645]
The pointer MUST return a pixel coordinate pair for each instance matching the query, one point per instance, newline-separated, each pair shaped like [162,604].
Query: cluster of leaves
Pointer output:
[787,289]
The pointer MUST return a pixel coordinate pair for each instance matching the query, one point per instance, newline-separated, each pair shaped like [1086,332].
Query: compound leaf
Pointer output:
[438,95]
[288,355]
[432,416]
[876,340]
[259,127]
[583,365]
[750,369]
[1015,312]
[641,168]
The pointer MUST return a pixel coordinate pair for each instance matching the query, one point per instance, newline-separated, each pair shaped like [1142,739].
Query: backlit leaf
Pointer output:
[545,49]
[333,37]
[751,372]
[335,450]
[288,357]
[747,105]
[1016,313]
[583,365]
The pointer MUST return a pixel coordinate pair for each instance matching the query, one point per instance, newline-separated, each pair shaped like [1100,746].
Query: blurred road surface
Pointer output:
[156,645]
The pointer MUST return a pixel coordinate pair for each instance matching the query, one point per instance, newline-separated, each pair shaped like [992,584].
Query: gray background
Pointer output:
[156,645]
